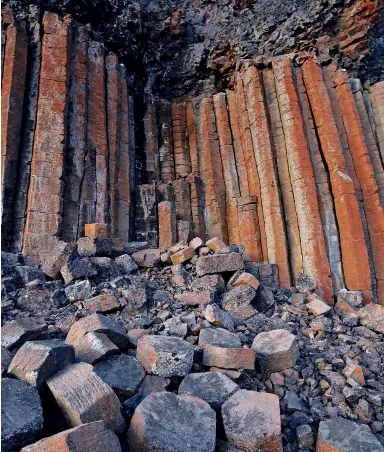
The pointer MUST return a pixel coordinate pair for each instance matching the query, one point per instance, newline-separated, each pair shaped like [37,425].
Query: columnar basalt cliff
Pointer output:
[286,161]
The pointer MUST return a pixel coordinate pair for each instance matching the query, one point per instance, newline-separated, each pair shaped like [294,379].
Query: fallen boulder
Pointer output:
[219,263]
[16,332]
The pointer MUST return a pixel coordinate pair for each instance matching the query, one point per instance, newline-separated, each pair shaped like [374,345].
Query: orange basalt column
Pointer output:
[374,212]
[376,93]
[192,138]
[290,216]
[167,224]
[180,140]
[197,206]
[315,261]
[229,166]
[249,159]
[212,173]
[12,99]
[352,243]
[45,202]
[270,195]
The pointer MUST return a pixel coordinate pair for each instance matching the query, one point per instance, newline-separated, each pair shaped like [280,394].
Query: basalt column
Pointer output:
[377,98]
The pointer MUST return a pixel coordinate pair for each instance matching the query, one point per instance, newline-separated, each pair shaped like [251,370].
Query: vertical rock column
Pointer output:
[74,161]
[249,159]
[229,166]
[376,93]
[293,233]
[97,125]
[146,218]
[192,138]
[324,193]
[315,261]
[167,224]
[212,173]
[43,224]
[373,210]
[197,206]
[180,140]
[353,250]
[26,145]
[124,173]
[151,144]
[164,120]
[12,98]
[373,150]
[181,189]
[270,195]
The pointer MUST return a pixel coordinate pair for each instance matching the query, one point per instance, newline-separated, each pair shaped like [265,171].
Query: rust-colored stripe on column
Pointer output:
[249,159]
[324,193]
[211,172]
[164,121]
[229,166]
[373,151]
[364,171]
[270,195]
[12,99]
[180,140]
[123,171]
[76,139]
[97,124]
[290,216]
[151,144]
[45,201]
[192,138]
[315,261]
[353,250]
[376,93]
[249,229]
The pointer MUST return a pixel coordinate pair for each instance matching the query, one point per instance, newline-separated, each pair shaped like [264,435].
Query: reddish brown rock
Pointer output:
[246,279]
[372,316]
[147,257]
[182,255]
[355,372]
[103,303]
[197,206]
[250,236]
[180,140]
[264,432]
[200,298]
[219,263]
[93,348]
[83,397]
[216,245]
[167,224]
[16,332]
[317,307]
[92,437]
[95,230]
[376,93]
[192,138]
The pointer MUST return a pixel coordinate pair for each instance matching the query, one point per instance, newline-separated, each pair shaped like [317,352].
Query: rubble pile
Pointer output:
[116,346]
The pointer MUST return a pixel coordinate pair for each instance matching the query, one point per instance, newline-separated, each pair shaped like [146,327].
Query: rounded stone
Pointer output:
[172,423]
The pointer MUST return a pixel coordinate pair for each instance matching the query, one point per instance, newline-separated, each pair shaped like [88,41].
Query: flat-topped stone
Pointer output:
[93,347]
[219,263]
[16,332]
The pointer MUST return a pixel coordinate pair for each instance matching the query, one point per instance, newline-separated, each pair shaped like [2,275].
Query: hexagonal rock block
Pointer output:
[127,263]
[57,258]
[122,373]
[83,397]
[92,437]
[94,246]
[165,356]
[201,298]
[223,349]
[216,245]
[147,258]
[94,347]
[98,323]
[218,317]
[219,263]
[160,423]
[246,279]
[340,435]
[16,332]
[276,350]
[252,421]
[317,307]
[372,316]
[21,414]
[95,230]
[182,255]
[106,302]
[213,387]
[78,268]
[37,361]
[238,301]
[167,224]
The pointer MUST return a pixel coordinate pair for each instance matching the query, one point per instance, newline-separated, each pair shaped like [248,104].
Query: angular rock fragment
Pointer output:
[182,256]
[216,245]
[355,372]
[246,279]
[21,414]
[183,231]
[201,298]
[137,301]
[238,301]
[341,435]
[28,273]
[98,323]
[78,268]
[215,283]
[304,436]
[219,263]
[106,267]
[372,316]
[92,437]
[147,258]
[165,356]
[95,230]
[276,350]
[6,358]
[83,397]
[160,423]
[317,307]
[103,303]
[93,347]
[264,299]
[57,258]
[305,284]
[127,263]
[252,421]
[223,349]
[122,373]
[94,246]
[213,387]
[196,243]
[16,332]
[218,317]
[175,327]
[353,297]
[37,361]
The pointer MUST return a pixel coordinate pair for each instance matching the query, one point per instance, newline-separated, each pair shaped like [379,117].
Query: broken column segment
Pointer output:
[164,121]
[167,224]
[146,216]
[180,140]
